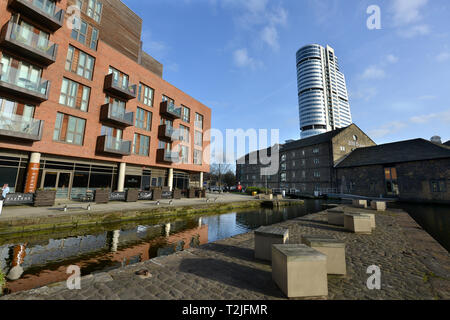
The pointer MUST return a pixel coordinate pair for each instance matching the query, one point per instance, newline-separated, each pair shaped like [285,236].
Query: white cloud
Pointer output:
[365,94]
[407,16]
[440,116]
[373,72]
[443,56]
[269,35]
[387,129]
[391,58]
[407,11]
[417,30]
[243,60]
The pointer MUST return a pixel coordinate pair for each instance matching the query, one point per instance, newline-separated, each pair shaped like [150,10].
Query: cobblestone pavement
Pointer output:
[227,269]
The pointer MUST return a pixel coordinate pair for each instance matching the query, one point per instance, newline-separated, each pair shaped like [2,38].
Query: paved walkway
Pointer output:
[16,213]
[413,266]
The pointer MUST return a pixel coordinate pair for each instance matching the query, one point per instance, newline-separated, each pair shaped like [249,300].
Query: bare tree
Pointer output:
[218,170]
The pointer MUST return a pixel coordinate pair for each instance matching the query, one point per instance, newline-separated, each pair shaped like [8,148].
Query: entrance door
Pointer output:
[59,180]
[391,181]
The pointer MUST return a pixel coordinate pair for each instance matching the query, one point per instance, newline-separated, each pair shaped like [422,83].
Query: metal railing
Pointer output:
[14,77]
[20,124]
[35,41]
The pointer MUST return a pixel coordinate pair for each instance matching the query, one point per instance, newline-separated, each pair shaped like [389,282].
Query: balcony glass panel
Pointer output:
[20,124]
[39,42]
[26,77]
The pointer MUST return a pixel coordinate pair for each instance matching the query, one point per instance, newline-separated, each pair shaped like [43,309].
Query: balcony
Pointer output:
[113,146]
[11,82]
[110,113]
[163,155]
[16,126]
[170,110]
[168,133]
[51,17]
[28,44]
[117,88]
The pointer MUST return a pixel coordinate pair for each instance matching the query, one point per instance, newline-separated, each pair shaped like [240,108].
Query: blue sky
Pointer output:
[238,58]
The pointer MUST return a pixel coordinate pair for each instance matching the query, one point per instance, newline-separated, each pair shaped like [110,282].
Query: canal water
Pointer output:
[435,219]
[38,260]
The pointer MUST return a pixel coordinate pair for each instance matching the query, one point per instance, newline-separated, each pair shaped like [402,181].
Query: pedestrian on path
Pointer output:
[5,191]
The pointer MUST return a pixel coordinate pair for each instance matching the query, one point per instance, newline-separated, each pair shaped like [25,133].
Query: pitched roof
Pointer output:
[447,143]
[317,139]
[255,154]
[403,151]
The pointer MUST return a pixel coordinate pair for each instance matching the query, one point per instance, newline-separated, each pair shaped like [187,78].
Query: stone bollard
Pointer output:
[378,205]
[360,203]
[332,248]
[357,223]
[265,237]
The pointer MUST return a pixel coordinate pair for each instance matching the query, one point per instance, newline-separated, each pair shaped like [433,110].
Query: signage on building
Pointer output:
[117,196]
[13,199]
[146,195]
[32,177]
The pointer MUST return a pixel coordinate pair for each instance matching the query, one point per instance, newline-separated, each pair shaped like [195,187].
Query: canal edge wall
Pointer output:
[77,219]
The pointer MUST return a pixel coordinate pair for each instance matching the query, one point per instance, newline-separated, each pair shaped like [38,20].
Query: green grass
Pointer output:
[2,281]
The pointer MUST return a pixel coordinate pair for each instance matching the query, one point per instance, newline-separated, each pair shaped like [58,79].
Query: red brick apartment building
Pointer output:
[85,108]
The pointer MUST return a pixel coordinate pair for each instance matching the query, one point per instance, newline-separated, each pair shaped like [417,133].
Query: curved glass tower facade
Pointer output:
[322,91]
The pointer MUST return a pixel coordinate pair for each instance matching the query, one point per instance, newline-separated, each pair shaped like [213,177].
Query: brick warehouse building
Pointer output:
[306,165]
[412,170]
[86,108]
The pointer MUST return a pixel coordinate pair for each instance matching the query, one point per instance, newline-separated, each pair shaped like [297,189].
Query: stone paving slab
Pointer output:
[227,270]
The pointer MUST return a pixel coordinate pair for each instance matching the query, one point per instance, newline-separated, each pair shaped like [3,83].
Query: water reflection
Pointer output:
[36,262]
[435,219]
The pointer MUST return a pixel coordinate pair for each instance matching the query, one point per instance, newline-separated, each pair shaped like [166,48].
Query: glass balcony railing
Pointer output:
[173,109]
[170,156]
[115,145]
[21,79]
[45,11]
[34,41]
[16,125]
[120,87]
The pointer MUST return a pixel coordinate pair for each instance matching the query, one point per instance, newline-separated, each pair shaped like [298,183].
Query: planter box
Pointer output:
[177,194]
[132,195]
[101,196]
[157,194]
[191,193]
[44,198]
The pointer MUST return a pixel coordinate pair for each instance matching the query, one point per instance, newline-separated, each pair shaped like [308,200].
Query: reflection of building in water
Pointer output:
[93,253]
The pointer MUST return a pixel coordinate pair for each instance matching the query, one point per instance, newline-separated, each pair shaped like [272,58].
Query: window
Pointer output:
[316,161]
[186,114]
[117,107]
[11,109]
[198,120]
[184,154]
[74,95]
[283,177]
[94,10]
[198,141]
[283,166]
[342,148]
[283,157]
[166,98]
[438,186]
[184,133]
[146,95]
[85,65]
[112,132]
[79,34]
[293,174]
[303,174]
[293,163]
[94,39]
[198,157]
[69,129]
[303,162]
[119,78]
[316,174]
[143,119]
[316,150]
[141,145]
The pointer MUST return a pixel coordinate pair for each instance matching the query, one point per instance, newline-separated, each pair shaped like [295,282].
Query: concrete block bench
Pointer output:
[357,223]
[336,216]
[360,203]
[332,248]
[265,237]
[378,205]
[373,223]
[299,271]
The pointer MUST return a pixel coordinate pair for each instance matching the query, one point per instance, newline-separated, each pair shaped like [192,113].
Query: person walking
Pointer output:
[5,191]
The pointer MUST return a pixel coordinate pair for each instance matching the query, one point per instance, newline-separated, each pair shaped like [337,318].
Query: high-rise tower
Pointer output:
[322,91]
